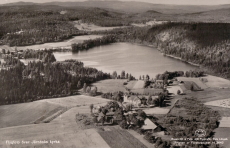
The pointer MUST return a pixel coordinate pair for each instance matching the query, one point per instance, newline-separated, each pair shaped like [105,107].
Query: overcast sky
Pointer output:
[176,2]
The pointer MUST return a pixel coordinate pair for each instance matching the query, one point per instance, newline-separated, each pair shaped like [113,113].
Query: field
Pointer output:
[140,84]
[91,27]
[141,138]
[67,134]
[111,85]
[214,81]
[156,110]
[223,111]
[220,103]
[211,94]
[63,128]
[43,110]
[26,113]
[131,84]
[117,138]
[66,44]
[225,122]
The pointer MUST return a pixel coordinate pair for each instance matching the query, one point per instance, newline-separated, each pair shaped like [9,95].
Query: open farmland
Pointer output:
[26,113]
[156,110]
[225,122]
[67,134]
[73,101]
[111,85]
[139,84]
[211,94]
[141,138]
[42,110]
[131,84]
[213,81]
[91,27]
[220,103]
[63,128]
[117,138]
[223,111]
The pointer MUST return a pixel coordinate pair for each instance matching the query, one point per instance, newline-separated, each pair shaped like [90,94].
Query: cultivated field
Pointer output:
[140,84]
[225,122]
[117,138]
[111,85]
[214,81]
[141,138]
[220,103]
[63,128]
[25,113]
[156,110]
[42,110]
[67,134]
[131,84]
[73,101]
[211,94]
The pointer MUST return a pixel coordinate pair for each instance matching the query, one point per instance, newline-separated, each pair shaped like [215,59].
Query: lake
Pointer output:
[135,59]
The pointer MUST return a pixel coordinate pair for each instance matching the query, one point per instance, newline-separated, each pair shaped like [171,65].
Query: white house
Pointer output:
[134,100]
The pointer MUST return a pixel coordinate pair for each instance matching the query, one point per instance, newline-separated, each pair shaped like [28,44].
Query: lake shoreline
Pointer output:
[168,55]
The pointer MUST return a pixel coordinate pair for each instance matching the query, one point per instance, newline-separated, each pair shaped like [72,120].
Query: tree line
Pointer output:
[93,43]
[44,79]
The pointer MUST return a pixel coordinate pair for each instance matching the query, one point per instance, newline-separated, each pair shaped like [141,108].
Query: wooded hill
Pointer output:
[28,23]
[206,44]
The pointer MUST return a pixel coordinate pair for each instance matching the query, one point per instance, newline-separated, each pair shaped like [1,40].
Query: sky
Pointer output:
[176,2]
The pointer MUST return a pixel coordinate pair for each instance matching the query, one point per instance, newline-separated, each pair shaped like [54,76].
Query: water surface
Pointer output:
[135,59]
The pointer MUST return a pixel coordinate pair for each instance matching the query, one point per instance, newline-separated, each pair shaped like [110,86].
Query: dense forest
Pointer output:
[43,79]
[93,43]
[27,25]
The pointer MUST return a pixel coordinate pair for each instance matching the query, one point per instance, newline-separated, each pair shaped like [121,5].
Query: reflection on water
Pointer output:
[135,59]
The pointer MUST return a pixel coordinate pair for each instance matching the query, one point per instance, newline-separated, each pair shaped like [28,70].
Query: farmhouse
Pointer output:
[135,100]
[149,125]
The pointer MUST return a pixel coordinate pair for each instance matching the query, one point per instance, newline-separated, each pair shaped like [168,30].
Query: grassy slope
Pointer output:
[25,113]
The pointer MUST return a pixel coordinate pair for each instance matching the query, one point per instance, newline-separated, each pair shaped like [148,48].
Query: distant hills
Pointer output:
[139,11]
[132,6]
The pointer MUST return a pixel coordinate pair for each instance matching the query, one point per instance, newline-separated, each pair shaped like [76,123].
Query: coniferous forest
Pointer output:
[45,78]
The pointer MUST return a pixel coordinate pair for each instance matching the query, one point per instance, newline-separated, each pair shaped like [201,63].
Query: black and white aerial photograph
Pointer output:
[114,74]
